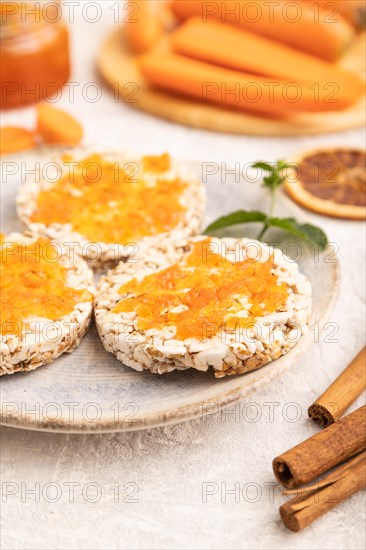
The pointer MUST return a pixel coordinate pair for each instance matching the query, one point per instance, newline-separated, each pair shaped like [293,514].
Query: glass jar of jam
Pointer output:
[34,50]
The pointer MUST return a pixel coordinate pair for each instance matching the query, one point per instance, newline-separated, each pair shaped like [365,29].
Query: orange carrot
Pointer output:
[14,139]
[57,126]
[296,24]
[143,26]
[352,10]
[234,89]
[239,49]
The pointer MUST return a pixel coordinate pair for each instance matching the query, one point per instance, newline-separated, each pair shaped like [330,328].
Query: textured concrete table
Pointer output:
[207,483]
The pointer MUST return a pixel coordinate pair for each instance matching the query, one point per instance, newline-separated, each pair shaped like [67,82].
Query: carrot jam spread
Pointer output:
[107,202]
[33,284]
[203,294]
[157,164]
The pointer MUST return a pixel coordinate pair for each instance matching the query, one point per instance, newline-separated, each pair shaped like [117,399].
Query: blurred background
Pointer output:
[108,119]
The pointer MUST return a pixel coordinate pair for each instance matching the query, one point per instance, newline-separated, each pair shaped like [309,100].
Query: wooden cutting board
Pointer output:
[118,68]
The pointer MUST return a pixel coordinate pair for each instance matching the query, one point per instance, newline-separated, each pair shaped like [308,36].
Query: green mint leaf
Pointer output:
[274,180]
[304,231]
[281,164]
[275,177]
[235,218]
[263,166]
[316,235]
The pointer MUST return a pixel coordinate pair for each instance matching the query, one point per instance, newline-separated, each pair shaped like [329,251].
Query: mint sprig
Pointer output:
[235,218]
[275,178]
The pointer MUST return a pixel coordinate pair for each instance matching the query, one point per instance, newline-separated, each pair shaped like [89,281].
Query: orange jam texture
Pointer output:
[106,202]
[156,164]
[208,289]
[31,285]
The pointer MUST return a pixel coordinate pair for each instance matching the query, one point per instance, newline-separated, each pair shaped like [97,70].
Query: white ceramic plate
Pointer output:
[90,391]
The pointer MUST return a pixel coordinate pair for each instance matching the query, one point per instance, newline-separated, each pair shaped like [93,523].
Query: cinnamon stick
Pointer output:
[341,393]
[324,450]
[318,499]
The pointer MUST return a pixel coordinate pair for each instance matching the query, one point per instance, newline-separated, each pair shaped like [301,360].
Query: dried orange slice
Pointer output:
[330,181]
